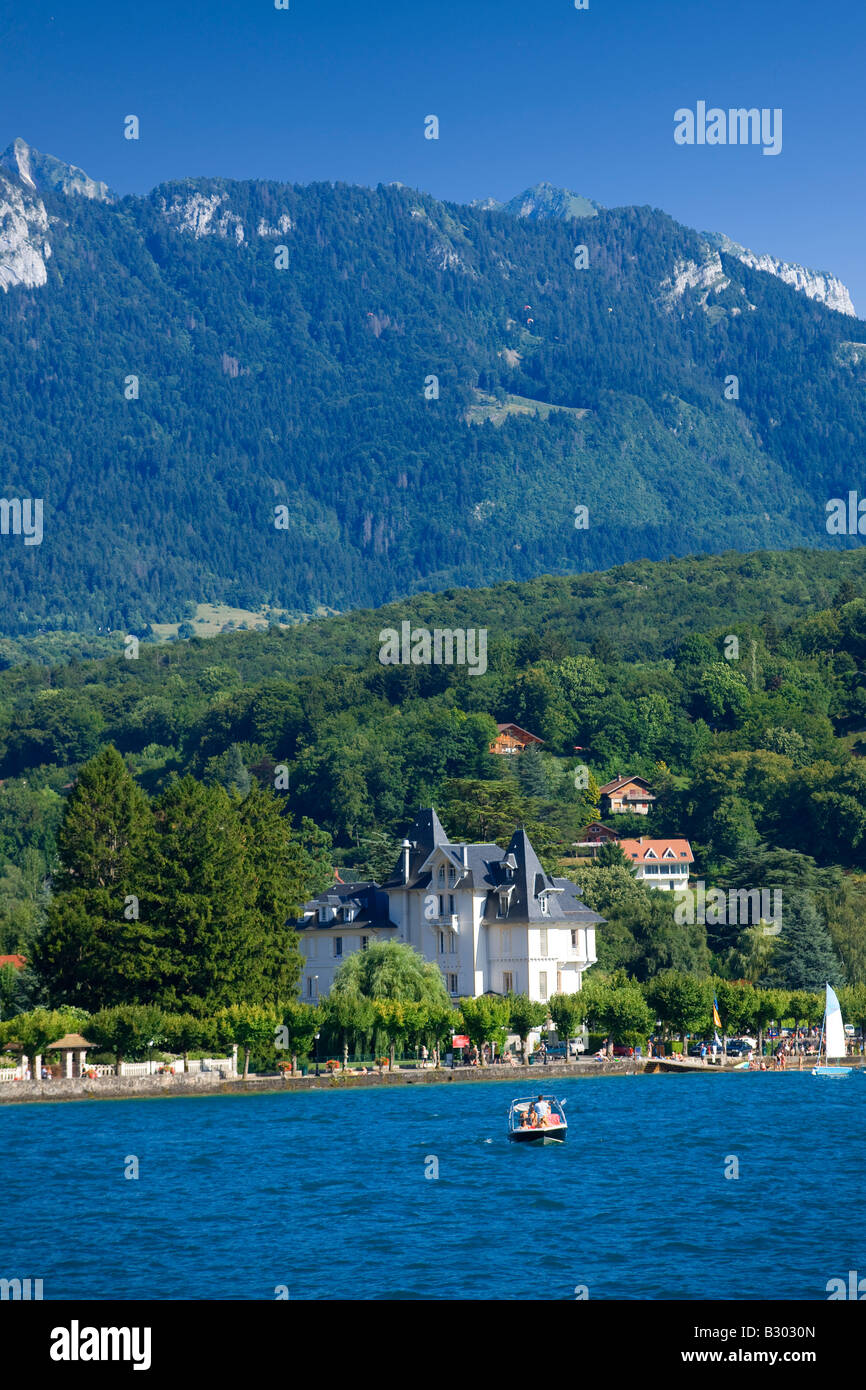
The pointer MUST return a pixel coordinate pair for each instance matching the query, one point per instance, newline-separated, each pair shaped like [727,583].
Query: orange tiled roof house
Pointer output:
[660,863]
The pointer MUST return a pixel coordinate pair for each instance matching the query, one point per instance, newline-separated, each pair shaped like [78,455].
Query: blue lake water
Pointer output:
[325,1193]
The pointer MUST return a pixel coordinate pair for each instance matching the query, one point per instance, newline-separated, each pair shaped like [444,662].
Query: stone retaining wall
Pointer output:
[110,1087]
[128,1087]
[202,1083]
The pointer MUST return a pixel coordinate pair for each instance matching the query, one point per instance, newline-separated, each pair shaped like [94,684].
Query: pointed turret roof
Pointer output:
[428,829]
[530,879]
[426,832]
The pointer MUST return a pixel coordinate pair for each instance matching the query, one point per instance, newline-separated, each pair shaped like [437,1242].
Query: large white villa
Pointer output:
[491,919]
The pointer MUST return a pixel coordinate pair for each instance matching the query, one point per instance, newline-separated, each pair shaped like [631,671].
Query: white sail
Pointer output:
[834,1030]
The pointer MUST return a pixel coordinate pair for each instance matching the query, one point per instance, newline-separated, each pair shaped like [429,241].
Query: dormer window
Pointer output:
[441,876]
[452,875]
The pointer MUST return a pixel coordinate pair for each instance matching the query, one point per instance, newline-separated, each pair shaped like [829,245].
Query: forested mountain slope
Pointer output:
[310,388]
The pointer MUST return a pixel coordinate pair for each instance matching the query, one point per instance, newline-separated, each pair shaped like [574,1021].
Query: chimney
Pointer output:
[406,847]
[465,849]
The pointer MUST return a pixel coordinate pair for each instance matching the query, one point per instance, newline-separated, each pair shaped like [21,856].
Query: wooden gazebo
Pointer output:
[73,1053]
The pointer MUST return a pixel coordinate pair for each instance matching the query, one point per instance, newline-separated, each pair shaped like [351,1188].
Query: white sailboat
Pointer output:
[832,1038]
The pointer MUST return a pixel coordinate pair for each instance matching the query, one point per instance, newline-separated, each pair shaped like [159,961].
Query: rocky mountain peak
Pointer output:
[544,200]
[42,172]
[815,284]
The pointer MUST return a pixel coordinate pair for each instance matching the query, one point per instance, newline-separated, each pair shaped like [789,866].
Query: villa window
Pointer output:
[441,876]
[574,940]
[441,904]
[542,942]
[542,983]
[365,942]
[451,907]
[452,945]
[452,876]
[441,936]
[507,982]
[452,984]
[338,945]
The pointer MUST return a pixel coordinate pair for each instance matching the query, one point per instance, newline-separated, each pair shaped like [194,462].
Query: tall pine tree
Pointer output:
[98,948]
[282,869]
[804,958]
[198,896]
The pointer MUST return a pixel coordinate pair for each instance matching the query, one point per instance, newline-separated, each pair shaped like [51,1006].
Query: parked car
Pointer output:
[558,1050]
[738,1047]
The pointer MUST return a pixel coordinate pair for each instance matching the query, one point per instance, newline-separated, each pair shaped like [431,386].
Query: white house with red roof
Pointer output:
[660,863]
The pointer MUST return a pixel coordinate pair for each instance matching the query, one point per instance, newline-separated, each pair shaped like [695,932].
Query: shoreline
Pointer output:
[168,1088]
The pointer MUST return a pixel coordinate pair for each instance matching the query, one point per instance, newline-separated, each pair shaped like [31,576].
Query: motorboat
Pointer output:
[537,1120]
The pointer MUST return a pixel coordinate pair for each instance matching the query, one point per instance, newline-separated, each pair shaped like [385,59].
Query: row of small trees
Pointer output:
[628,1012]
[350,1020]
[130,1031]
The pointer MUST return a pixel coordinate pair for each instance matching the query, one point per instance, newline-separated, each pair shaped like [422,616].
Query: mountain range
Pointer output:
[254,392]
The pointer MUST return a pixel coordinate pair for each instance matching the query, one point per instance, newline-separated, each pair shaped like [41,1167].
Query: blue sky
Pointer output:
[524,90]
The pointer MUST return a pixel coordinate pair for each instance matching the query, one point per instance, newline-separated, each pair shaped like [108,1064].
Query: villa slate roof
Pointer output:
[573,905]
[369,900]
[483,868]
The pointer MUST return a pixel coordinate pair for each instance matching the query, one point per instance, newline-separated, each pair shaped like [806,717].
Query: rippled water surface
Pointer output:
[325,1193]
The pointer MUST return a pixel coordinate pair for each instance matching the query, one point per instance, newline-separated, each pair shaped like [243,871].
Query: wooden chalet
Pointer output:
[626,794]
[512,739]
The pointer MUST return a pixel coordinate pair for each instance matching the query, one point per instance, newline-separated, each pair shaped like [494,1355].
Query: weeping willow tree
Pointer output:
[389,991]
[391,970]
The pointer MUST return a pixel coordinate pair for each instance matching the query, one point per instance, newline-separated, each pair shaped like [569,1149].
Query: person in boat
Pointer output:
[524,1120]
[533,1117]
[542,1110]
